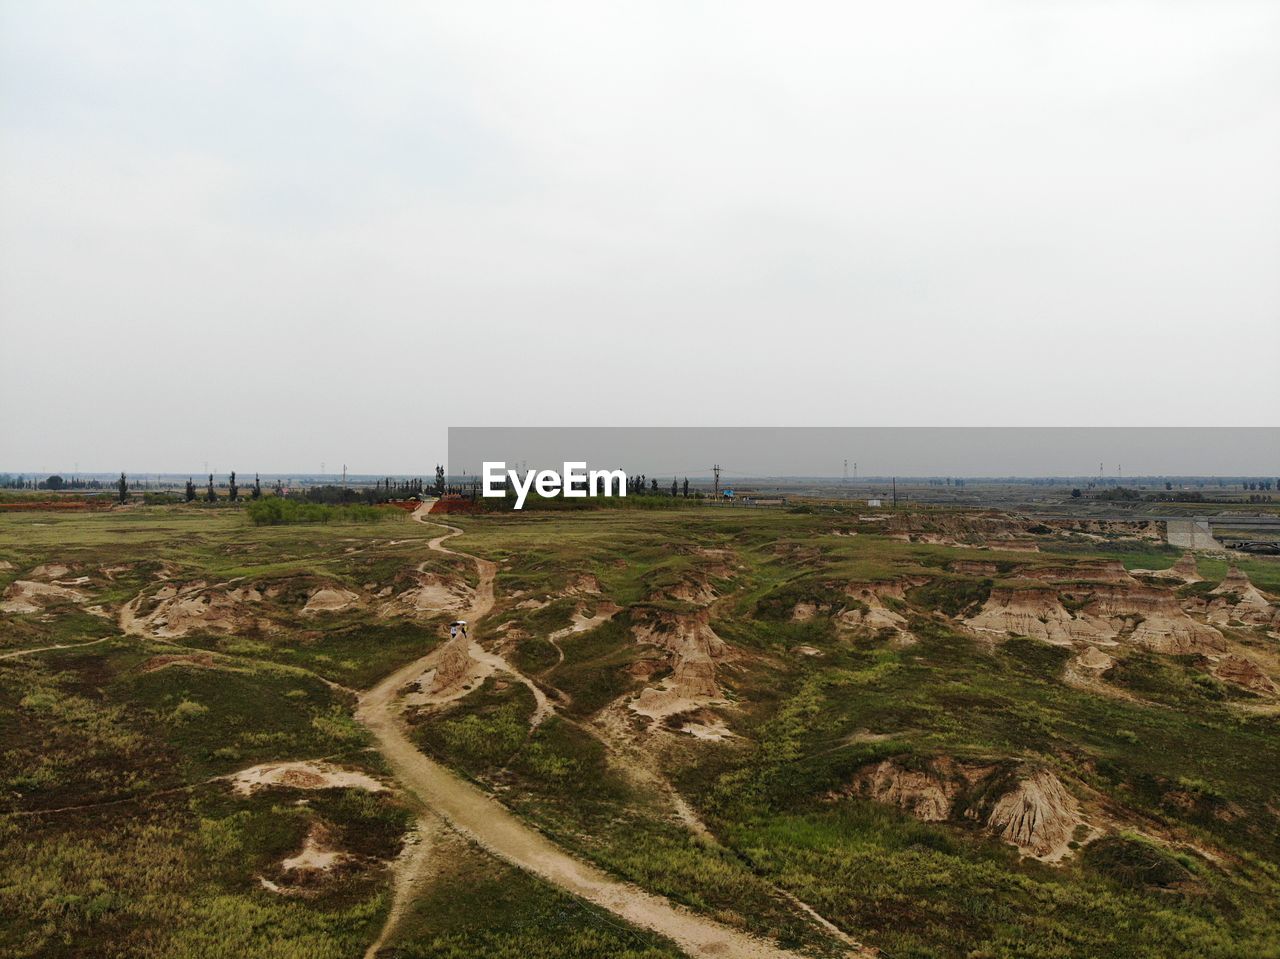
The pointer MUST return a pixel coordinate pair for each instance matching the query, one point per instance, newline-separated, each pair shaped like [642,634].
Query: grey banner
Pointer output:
[870,452]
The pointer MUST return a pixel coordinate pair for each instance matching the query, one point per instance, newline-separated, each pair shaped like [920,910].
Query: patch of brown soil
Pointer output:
[1236,599]
[977,528]
[797,552]
[1013,545]
[330,599]
[1109,572]
[302,775]
[935,539]
[803,612]
[317,855]
[582,623]
[647,667]
[1184,570]
[28,596]
[1159,623]
[432,593]
[1094,658]
[583,584]
[50,571]
[451,672]
[1035,813]
[871,611]
[1038,816]
[194,607]
[928,793]
[1151,530]
[1244,672]
[694,652]
[689,591]
[974,567]
[715,731]
[480,817]
[1039,614]
[1239,583]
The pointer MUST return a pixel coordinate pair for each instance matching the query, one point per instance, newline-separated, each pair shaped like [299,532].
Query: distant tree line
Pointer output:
[54,482]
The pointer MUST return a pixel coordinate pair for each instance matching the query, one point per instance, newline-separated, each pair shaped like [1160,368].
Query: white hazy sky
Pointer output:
[265,235]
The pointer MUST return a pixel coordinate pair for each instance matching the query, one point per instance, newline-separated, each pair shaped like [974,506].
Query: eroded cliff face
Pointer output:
[694,653]
[1236,601]
[1094,607]
[1040,614]
[1037,815]
[1028,808]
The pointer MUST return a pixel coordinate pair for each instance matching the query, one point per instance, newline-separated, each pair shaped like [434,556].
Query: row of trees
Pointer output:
[636,487]
[383,491]
[57,482]
[210,495]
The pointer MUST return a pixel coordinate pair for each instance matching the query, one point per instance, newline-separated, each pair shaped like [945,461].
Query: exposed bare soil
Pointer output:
[1034,812]
[482,818]
[29,596]
[694,652]
[302,775]
[330,599]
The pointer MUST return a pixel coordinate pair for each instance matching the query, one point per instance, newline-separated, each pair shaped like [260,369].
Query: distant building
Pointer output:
[874,502]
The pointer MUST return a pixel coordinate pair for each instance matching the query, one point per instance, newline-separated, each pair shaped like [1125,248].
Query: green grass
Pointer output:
[1180,760]
[477,906]
[274,511]
[1180,754]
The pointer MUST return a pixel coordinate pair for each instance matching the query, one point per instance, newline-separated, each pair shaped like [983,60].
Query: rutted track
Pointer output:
[482,818]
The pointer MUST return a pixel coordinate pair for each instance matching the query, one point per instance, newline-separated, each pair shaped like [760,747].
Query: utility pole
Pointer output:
[895,492]
[846,472]
[716,469]
[344,482]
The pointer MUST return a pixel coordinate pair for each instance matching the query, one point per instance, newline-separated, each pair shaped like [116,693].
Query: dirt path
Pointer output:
[481,605]
[45,649]
[477,815]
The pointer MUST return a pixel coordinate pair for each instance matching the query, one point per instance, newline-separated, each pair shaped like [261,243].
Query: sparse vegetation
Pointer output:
[1174,763]
[277,511]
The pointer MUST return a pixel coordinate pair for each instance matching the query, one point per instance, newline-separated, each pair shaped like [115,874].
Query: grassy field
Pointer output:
[120,836]
[1178,757]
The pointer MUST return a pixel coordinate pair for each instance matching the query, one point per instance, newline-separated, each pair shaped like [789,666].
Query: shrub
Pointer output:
[1135,862]
[951,596]
[188,710]
[277,511]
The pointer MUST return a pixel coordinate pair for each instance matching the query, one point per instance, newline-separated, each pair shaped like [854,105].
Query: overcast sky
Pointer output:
[266,235]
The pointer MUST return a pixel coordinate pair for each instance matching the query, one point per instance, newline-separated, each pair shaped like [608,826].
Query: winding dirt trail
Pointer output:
[44,649]
[486,821]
